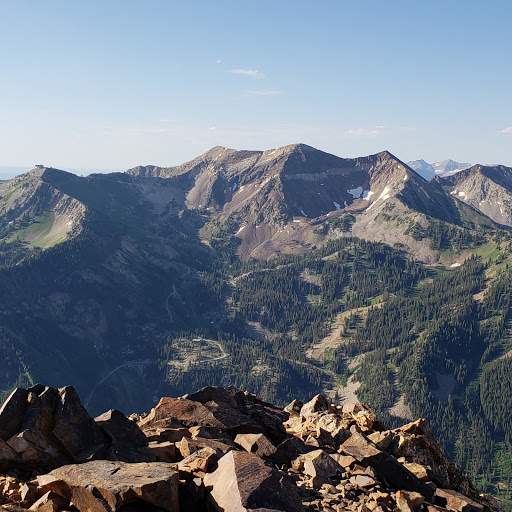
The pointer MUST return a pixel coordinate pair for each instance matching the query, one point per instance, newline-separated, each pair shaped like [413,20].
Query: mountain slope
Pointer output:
[274,201]
[489,189]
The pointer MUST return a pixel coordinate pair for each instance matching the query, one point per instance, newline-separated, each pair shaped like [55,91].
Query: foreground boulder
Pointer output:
[386,466]
[44,427]
[243,482]
[221,449]
[105,486]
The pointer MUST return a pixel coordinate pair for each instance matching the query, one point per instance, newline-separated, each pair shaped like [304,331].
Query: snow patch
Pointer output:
[355,192]
[337,205]
[302,211]
[296,220]
[455,265]
[385,194]
[240,230]
[367,194]
[345,203]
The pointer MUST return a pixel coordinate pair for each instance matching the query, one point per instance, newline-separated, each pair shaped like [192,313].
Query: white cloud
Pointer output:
[265,92]
[365,132]
[507,130]
[253,73]
[211,128]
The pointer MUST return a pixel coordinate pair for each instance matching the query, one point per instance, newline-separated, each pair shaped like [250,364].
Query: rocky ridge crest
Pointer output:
[221,449]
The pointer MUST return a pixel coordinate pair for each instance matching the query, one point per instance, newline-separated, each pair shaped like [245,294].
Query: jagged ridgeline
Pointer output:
[287,272]
[221,449]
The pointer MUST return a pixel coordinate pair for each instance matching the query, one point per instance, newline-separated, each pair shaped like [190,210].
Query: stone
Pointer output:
[9,458]
[320,464]
[243,482]
[12,413]
[73,426]
[294,407]
[256,443]
[29,492]
[172,435]
[409,501]
[105,486]
[198,462]
[49,502]
[243,413]
[206,432]
[288,451]
[163,452]
[362,480]
[127,442]
[55,428]
[386,466]
[319,403]
[453,500]
[189,446]
[188,412]
[344,461]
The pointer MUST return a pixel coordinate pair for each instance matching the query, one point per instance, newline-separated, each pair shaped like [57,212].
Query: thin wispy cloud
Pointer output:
[265,92]
[507,130]
[365,132]
[253,73]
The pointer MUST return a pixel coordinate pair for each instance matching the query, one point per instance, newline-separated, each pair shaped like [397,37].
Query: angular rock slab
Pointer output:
[242,482]
[386,466]
[105,486]
[453,500]
[256,443]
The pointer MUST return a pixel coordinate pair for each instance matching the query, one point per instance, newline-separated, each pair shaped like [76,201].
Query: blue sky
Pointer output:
[114,84]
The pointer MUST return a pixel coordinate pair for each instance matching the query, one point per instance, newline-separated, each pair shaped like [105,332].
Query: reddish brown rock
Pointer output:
[127,442]
[256,443]
[163,452]
[294,407]
[198,463]
[105,486]
[12,413]
[8,457]
[319,464]
[409,501]
[243,413]
[386,466]
[189,446]
[319,403]
[55,428]
[242,482]
[171,435]
[73,427]
[457,502]
[187,412]
[49,502]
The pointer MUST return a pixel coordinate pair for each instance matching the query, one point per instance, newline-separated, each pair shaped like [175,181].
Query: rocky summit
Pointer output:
[221,449]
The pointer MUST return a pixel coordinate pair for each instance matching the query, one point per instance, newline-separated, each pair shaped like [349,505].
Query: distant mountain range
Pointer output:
[443,168]
[288,272]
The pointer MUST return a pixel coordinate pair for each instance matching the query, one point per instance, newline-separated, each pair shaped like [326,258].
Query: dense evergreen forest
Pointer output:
[436,339]
[349,315]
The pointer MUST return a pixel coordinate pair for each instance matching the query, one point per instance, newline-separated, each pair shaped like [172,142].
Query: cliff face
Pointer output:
[221,449]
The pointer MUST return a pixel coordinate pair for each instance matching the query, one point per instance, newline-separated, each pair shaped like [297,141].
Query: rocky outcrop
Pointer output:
[221,449]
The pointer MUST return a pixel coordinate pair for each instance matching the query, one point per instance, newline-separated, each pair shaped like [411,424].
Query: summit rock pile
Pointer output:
[221,449]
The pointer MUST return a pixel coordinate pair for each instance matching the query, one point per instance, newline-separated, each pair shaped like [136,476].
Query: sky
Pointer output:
[119,83]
